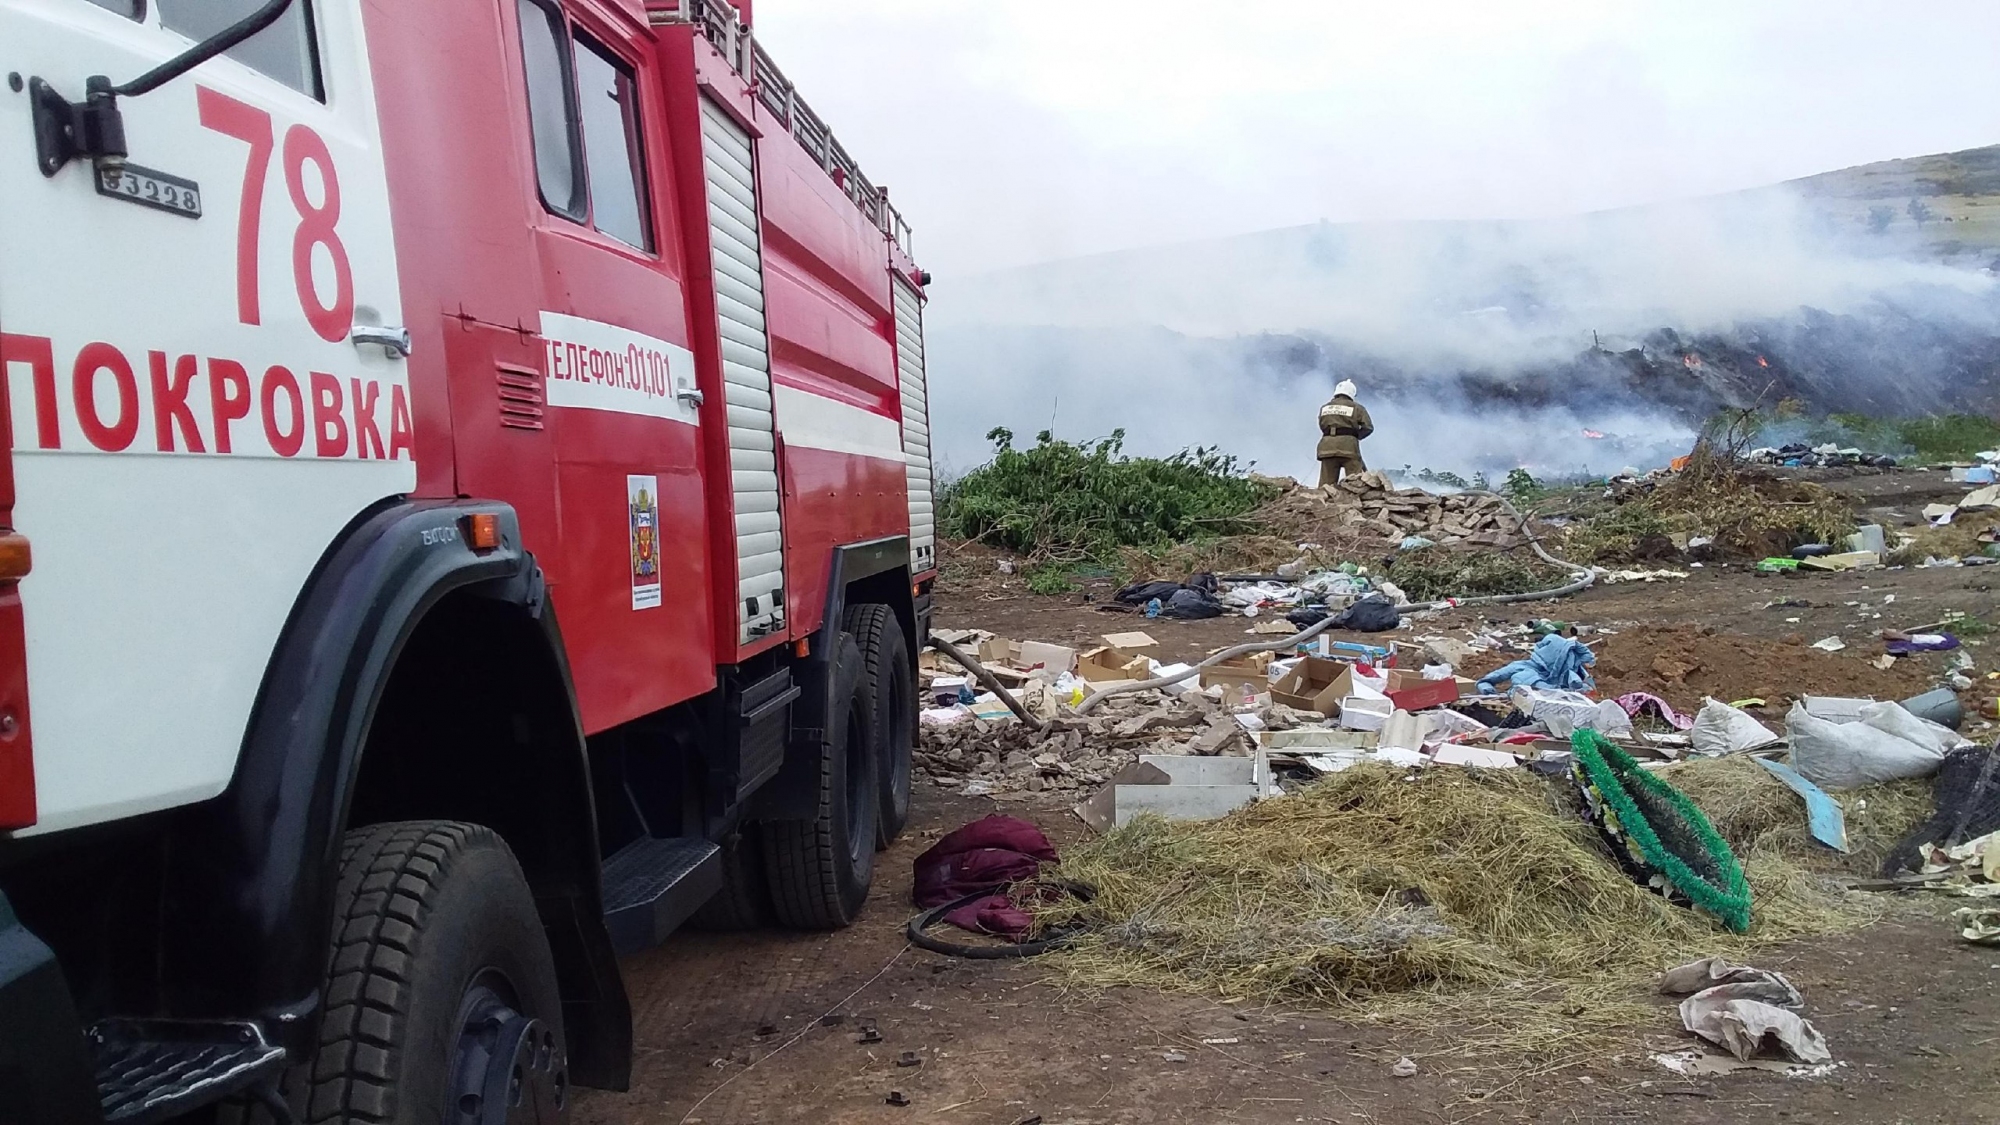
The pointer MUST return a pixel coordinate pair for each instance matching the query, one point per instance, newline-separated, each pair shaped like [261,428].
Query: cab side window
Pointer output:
[583,113]
[284,51]
[130,9]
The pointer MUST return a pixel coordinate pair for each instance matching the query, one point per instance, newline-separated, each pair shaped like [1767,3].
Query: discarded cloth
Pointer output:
[1556,662]
[987,855]
[1745,1010]
[1921,642]
[1636,703]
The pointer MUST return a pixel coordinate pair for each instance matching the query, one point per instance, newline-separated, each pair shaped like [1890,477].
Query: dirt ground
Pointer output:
[767,1027]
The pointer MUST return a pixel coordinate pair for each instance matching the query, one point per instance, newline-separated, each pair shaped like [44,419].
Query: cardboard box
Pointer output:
[1129,641]
[1104,664]
[1409,691]
[1315,684]
[998,650]
[1252,671]
[1034,656]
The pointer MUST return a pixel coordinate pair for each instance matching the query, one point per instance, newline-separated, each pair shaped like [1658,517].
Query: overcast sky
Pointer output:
[1012,133]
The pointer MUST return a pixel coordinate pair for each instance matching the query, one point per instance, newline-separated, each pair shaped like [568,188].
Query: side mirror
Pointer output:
[94,127]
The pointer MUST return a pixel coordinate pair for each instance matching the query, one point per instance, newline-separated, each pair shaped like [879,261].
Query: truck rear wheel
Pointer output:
[819,870]
[887,677]
[441,997]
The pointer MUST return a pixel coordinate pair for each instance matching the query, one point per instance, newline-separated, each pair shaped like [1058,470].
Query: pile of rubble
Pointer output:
[1471,519]
[1077,754]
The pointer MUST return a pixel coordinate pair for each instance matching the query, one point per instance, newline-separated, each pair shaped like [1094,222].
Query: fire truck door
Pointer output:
[205,375]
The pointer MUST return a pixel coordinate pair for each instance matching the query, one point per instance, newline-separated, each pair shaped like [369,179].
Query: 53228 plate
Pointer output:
[149,188]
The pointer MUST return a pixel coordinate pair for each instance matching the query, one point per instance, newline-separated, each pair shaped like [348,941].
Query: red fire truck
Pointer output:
[467,513]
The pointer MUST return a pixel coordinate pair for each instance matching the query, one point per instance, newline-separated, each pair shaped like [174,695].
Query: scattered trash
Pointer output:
[897,1098]
[1657,833]
[1174,1056]
[1824,818]
[1884,743]
[1749,1012]
[1904,644]
[1557,662]
[1979,925]
[1721,729]
[1829,644]
[1404,1068]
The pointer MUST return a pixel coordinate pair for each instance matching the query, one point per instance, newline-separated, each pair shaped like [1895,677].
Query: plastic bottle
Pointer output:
[1153,608]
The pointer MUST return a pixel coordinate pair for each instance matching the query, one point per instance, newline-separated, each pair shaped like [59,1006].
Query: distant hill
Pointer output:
[1950,200]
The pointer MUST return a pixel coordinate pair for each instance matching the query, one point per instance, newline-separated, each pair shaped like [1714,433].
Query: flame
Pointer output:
[1592,434]
[1692,360]
[1762,362]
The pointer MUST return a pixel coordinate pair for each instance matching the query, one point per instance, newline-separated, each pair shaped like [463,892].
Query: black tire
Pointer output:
[819,870]
[744,902]
[890,682]
[431,918]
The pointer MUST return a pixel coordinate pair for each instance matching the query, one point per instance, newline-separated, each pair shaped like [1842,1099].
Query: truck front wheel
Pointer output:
[441,998]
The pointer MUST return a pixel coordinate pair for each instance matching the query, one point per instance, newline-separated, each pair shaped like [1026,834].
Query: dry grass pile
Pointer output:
[1453,895]
[1957,539]
[1748,512]
[1759,815]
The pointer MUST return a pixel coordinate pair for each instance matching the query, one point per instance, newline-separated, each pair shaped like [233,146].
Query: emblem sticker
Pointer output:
[642,502]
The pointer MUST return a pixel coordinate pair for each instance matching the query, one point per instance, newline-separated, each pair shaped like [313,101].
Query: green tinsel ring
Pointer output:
[1730,903]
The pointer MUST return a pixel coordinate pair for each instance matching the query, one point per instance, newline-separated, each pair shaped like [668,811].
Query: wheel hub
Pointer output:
[509,1069]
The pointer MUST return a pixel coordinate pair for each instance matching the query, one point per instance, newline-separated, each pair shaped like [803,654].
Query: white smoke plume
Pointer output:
[1234,343]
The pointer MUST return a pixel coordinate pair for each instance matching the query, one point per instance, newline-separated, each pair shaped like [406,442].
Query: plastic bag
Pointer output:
[1722,729]
[1566,712]
[1894,718]
[1847,755]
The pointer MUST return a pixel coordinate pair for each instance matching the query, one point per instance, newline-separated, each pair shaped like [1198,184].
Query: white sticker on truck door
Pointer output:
[597,366]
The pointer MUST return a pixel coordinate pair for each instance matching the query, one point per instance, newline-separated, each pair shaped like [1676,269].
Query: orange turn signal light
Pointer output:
[802,648]
[482,531]
[15,558]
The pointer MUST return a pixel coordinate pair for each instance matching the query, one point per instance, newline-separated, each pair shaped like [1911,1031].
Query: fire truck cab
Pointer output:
[467,513]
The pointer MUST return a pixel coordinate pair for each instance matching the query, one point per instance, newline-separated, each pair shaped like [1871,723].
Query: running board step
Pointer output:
[151,1070]
[652,885]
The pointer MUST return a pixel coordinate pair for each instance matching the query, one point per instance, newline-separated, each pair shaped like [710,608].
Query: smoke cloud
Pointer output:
[1478,346]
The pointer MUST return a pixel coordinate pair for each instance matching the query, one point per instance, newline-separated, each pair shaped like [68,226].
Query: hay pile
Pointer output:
[1758,815]
[1431,895]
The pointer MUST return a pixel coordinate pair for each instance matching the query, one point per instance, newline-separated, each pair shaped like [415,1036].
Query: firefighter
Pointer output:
[1343,422]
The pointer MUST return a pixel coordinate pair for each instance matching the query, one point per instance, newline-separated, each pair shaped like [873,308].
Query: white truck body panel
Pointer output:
[164,575]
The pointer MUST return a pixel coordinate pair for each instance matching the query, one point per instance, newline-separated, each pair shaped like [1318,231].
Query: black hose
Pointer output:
[1054,939]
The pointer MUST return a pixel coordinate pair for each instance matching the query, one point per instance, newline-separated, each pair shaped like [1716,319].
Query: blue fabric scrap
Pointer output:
[1557,662]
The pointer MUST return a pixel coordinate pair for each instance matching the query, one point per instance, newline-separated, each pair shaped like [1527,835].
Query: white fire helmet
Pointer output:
[1344,387]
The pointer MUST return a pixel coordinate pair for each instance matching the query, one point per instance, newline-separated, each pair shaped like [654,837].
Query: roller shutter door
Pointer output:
[916,427]
[737,250]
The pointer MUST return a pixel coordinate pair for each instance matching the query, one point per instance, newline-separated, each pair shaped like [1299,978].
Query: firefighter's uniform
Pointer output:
[1343,422]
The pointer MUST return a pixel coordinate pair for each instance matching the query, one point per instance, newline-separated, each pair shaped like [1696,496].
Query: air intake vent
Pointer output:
[520,397]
